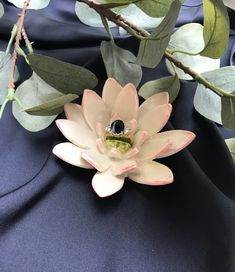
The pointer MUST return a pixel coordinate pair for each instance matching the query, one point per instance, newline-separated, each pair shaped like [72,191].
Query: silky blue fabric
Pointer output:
[50,218]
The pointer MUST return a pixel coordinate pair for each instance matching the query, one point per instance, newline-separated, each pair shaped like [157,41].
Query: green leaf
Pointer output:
[63,76]
[209,104]
[119,64]
[153,47]
[231,146]
[114,3]
[34,4]
[5,65]
[170,84]
[51,107]
[155,8]
[32,92]
[216,28]
[189,38]
[132,13]
[1,10]
[228,111]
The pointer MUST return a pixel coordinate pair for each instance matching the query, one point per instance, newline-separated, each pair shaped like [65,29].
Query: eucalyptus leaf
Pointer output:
[132,13]
[228,111]
[89,16]
[216,28]
[155,8]
[1,10]
[231,146]
[115,3]
[189,38]
[31,93]
[153,47]
[63,76]
[137,17]
[170,84]
[209,104]
[5,65]
[51,107]
[119,63]
[34,4]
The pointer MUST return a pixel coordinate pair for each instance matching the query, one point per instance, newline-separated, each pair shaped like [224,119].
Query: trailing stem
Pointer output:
[142,34]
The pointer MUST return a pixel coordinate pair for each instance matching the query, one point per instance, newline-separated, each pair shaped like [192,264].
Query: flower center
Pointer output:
[118,136]
[117,127]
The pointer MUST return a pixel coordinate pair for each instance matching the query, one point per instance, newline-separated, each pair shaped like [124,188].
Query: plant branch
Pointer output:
[116,18]
[142,34]
[20,22]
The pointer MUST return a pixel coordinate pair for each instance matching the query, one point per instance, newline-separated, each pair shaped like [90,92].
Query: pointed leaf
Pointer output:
[34,4]
[153,47]
[170,84]
[5,65]
[231,146]
[65,77]
[216,28]
[119,64]
[51,107]
[189,38]
[209,104]
[32,92]
[155,8]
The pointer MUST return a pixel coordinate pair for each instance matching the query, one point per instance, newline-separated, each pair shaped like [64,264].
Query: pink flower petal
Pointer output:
[100,145]
[123,167]
[152,102]
[152,173]
[154,120]
[110,92]
[77,133]
[179,139]
[132,152]
[99,161]
[140,138]
[106,184]
[127,103]
[132,125]
[71,154]
[114,117]
[100,129]
[94,109]
[74,113]
[115,154]
[153,148]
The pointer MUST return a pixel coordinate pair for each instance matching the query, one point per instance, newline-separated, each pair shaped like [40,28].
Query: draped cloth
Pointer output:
[50,218]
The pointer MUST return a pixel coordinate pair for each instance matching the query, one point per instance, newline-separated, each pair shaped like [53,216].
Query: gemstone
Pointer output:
[117,127]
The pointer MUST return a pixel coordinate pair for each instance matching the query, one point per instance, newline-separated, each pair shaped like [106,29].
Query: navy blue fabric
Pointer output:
[50,218]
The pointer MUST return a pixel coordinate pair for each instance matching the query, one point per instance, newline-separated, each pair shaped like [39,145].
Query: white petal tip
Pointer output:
[105,184]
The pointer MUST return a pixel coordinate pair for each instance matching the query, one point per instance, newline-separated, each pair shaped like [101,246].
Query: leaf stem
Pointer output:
[20,22]
[182,52]
[13,34]
[3,107]
[27,41]
[143,34]
[106,26]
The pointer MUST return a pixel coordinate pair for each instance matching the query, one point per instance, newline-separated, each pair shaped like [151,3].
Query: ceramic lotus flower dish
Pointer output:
[120,139]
